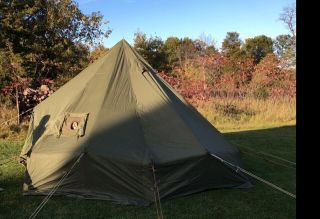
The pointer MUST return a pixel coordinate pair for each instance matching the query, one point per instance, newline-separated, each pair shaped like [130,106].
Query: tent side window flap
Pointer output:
[73,124]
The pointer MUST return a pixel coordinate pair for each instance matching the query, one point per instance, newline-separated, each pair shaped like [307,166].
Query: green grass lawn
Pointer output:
[260,201]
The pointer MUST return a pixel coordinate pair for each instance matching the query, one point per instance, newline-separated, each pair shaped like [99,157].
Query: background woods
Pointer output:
[45,43]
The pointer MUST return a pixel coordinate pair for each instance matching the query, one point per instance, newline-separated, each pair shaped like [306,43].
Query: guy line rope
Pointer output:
[157,195]
[267,154]
[54,189]
[255,177]
[268,160]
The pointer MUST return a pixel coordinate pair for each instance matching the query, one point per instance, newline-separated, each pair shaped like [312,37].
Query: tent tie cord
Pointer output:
[255,176]
[279,158]
[157,195]
[268,160]
[54,189]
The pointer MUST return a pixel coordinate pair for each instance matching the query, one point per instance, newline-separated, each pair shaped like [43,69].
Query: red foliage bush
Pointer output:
[192,90]
[236,77]
[270,78]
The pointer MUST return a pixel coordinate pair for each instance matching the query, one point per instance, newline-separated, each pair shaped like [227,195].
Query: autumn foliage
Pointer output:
[271,79]
[259,67]
[213,76]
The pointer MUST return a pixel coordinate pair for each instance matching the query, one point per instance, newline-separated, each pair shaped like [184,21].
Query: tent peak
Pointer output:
[124,42]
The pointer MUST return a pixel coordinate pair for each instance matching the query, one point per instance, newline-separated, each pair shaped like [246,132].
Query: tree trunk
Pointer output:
[17,105]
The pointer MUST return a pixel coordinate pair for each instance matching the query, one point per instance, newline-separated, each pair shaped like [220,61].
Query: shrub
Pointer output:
[269,79]
[261,93]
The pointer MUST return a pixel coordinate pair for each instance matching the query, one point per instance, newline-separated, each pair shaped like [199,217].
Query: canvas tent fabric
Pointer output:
[124,119]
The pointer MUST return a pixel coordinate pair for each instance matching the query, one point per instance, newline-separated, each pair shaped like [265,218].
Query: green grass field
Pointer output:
[260,201]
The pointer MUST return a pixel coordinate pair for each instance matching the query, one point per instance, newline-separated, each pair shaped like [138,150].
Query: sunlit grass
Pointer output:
[249,113]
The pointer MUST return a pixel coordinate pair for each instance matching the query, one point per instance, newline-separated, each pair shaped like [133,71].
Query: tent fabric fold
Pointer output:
[129,119]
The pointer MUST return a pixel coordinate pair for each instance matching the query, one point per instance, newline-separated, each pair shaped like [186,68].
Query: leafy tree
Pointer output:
[187,50]
[258,47]
[150,49]
[42,39]
[271,80]
[200,46]
[231,45]
[10,65]
[211,50]
[208,44]
[50,37]
[203,48]
[285,49]
[282,44]
[238,68]
[98,52]
[170,47]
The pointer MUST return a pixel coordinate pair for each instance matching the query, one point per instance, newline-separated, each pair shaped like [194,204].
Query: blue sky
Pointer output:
[189,18]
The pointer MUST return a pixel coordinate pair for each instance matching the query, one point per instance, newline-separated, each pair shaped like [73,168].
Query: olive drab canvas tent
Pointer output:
[126,122]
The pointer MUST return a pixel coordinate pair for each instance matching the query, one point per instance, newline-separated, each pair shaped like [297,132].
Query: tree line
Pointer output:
[260,66]
[44,43]
[165,55]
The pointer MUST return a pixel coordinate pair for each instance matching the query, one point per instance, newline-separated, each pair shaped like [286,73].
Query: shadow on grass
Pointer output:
[258,202]
[280,141]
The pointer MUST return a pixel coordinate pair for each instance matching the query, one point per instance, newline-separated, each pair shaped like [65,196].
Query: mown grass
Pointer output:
[258,202]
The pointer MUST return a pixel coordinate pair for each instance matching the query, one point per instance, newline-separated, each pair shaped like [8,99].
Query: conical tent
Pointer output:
[124,120]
